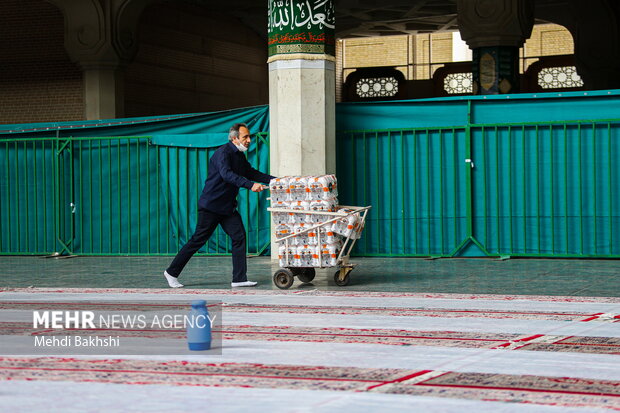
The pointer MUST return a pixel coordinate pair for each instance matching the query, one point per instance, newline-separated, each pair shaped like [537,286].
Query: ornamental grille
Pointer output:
[377,87]
[559,77]
[457,83]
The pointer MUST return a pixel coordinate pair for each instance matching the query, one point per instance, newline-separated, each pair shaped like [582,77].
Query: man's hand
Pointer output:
[257,187]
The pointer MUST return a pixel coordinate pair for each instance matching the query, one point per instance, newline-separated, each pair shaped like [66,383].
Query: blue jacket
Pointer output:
[229,170]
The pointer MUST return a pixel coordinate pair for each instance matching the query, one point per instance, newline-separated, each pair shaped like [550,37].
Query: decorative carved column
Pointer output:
[302,88]
[100,36]
[495,30]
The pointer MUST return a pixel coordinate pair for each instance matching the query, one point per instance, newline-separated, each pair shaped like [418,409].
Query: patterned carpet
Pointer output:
[478,386]
[602,345]
[575,336]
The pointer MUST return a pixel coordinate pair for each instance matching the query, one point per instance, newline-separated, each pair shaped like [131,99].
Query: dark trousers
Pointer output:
[207,222]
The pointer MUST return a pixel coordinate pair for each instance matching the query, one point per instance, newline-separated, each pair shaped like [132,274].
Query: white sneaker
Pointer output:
[244,284]
[172,281]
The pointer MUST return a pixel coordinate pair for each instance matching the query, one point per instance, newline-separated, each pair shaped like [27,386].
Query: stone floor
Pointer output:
[566,277]
[447,335]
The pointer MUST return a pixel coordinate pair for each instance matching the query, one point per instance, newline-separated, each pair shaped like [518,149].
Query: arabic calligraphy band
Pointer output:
[301,26]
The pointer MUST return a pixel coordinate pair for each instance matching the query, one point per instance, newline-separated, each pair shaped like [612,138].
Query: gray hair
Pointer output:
[234,130]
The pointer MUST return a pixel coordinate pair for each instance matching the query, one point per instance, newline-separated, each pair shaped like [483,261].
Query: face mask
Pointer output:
[240,147]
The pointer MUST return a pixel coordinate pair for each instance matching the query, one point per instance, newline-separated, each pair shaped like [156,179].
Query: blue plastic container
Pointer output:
[199,327]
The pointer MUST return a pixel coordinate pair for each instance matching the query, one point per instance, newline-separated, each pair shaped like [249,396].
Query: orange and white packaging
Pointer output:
[279,190]
[282,230]
[302,237]
[348,226]
[282,255]
[297,186]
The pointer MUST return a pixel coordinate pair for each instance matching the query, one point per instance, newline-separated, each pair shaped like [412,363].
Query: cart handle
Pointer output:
[322,224]
[334,214]
[306,230]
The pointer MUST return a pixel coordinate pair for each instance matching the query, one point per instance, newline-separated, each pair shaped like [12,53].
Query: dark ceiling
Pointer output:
[360,18]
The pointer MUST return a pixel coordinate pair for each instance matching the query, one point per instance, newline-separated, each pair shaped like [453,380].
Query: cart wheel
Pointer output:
[306,274]
[345,280]
[283,278]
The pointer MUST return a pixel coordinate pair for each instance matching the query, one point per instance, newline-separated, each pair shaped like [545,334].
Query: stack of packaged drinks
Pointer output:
[319,241]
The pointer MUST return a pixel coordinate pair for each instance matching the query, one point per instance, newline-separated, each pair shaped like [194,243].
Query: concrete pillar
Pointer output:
[302,106]
[302,88]
[100,36]
[495,30]
[103,92]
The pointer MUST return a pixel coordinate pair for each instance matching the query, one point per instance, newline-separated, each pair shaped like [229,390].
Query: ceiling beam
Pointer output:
[414,10]
[448,25]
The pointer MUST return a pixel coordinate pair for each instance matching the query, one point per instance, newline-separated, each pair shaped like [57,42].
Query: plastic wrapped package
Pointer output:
[279,184]
[304,188]
[302,237]
[279,217]
[279,190]
[348,226]
[297,187]
[322,187]
[316,256]
[327,236]
[315,260]
[320,246]
[333,187]
[306,253]
[299,206]
[282,230]
[282,254]
[296,257]
[313,236]
[329,254]
[315,218]
[316,184]
[328,205]
[333,250]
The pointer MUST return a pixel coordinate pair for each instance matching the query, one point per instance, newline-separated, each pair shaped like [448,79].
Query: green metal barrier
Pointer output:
[548,189]
[28,195]
[451,177]
[113,196]
[415,183]
[537,189]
